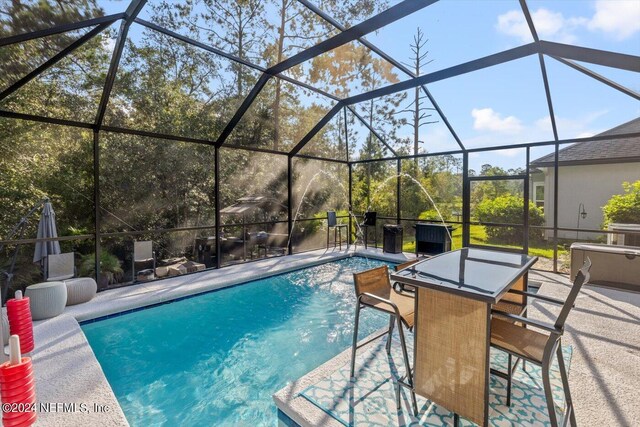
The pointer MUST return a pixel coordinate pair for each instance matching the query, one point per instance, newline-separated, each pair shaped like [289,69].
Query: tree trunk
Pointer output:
[239,74]
[276,101]
[416,124]
[369,150]
[416,114]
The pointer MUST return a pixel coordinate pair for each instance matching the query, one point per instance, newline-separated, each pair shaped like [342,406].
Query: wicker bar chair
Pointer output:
[373,290]
[516,335]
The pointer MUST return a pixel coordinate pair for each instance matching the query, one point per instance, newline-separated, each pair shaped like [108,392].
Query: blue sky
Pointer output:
[506,103]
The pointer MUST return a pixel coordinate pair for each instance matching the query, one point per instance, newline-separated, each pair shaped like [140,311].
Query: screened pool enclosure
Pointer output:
[223,131]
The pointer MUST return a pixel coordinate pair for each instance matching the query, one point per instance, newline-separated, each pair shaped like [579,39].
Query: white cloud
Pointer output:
[549,25]
[617,18]
[514,24]
[586,134]
[621,19]
[436,138]
[537,130]
[487,119]
[576,127]
[510,152]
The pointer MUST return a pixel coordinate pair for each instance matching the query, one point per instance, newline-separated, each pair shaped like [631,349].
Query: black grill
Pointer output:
[432,239]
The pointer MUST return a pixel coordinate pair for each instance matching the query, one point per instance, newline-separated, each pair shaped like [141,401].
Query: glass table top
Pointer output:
[475,273]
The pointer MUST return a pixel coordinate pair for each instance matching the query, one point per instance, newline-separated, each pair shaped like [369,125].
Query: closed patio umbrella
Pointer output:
[46,230]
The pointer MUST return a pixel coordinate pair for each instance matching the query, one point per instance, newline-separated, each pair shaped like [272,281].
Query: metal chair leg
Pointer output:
[405,355]
[456,419]
[391,324]
[328,236]
[509,379]
[565,386]
[365,235]
[548,393]
[355,340]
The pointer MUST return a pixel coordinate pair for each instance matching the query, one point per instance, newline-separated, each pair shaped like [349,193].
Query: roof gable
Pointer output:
[613,150]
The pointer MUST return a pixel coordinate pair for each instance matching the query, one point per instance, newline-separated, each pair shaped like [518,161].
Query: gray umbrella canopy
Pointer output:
[46,230]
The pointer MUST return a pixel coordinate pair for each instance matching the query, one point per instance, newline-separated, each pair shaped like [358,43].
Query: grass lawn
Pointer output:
[479,237]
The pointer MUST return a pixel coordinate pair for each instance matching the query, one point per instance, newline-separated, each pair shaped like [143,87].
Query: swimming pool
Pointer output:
[217,358]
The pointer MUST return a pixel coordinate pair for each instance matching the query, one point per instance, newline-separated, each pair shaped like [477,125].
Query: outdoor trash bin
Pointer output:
[392,236]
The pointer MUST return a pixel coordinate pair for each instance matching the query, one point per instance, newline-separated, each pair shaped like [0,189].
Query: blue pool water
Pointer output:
[217,358]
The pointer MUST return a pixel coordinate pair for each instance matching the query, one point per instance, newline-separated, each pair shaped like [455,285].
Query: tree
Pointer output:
[508,209]
[420,114]
[19,17]
[41,160]
[624,208]
[238,27]
[492,189]
[297,28]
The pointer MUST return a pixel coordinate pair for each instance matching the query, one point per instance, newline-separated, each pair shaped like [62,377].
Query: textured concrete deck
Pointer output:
[71,388]
[604,330]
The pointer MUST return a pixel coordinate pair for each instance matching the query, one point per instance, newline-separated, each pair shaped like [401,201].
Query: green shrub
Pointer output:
[110,267]
[507,209]
[624,208]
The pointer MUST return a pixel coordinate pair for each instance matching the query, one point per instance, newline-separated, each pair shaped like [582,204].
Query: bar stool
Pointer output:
[373,290]
[369,221]
[332,222]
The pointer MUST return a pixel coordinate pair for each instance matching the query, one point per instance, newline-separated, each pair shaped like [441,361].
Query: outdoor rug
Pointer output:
[371,399]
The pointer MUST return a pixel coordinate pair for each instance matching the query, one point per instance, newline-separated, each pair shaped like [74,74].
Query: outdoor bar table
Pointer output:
[455,291]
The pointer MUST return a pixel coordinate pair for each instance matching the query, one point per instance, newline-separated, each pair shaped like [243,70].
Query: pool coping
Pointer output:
[60,341]
[144,295]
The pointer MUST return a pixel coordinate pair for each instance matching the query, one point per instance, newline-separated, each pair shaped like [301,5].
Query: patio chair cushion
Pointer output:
[47,299]
[405,304]
[81,289]
[518,340]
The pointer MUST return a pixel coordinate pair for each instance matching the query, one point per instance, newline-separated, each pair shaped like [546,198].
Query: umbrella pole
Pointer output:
[19,227]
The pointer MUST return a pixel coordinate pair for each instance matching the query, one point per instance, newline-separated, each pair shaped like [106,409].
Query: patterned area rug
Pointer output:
[371,399]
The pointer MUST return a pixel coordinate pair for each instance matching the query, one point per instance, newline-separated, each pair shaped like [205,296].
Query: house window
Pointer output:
[538,194]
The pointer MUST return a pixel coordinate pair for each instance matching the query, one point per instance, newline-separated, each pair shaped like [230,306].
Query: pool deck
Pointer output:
[604,330]
[67,372]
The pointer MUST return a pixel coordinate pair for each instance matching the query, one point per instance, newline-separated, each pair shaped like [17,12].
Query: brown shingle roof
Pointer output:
[613,150]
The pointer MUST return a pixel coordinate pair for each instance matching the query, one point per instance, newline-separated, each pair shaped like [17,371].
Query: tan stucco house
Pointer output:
[589,174]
